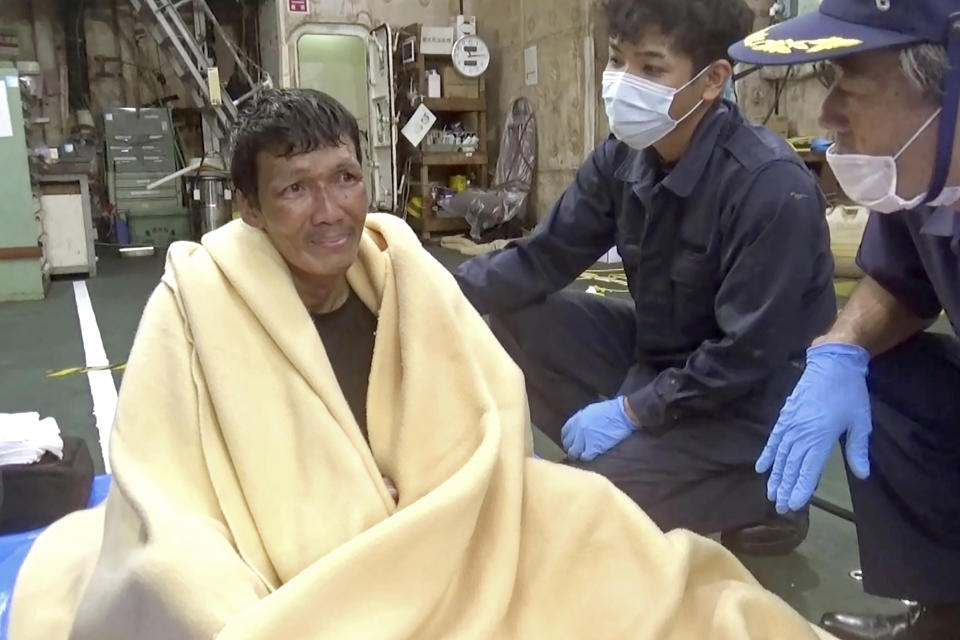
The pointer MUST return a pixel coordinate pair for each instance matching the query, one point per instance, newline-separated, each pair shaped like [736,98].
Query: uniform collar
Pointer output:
[642,168]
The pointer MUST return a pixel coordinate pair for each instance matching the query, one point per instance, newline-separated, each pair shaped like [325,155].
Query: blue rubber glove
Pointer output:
[596,429]
[830,400]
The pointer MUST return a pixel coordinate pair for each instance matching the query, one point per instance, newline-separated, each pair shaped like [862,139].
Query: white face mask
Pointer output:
[639,110]
[872,180]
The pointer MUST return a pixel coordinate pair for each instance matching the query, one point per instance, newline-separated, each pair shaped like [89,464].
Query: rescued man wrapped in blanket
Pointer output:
[256,498]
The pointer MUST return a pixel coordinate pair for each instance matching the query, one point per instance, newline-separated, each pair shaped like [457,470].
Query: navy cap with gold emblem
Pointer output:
[845,27]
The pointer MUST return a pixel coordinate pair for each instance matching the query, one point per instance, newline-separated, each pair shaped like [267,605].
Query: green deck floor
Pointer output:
[37,338]
[40,337]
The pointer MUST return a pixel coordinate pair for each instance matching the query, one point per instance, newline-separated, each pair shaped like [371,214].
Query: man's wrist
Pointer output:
[836,338]
[822,340]
[631,414]
[829,338]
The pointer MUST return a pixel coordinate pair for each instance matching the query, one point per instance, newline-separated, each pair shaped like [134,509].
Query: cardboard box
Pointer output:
[456,86]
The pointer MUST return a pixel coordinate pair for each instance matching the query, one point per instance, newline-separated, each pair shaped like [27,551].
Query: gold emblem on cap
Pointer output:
[761,43]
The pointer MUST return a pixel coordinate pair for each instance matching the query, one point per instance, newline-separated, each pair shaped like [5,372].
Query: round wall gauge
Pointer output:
[471,56]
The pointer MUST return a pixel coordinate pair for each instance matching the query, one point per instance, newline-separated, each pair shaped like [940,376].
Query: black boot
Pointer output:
[776,536]
[940,622]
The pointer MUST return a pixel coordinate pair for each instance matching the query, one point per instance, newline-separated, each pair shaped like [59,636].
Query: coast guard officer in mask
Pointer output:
[877,381]
[672,393]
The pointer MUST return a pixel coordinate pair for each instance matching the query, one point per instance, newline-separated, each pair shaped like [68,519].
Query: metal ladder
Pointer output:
[180,39]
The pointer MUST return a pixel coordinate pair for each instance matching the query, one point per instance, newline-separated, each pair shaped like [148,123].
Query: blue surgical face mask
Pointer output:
[639,110]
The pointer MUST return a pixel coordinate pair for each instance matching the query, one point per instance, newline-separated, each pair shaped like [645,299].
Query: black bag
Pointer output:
[35,495]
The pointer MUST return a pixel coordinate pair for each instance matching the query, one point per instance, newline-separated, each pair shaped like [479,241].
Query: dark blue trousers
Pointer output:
[576,349]
[908,510]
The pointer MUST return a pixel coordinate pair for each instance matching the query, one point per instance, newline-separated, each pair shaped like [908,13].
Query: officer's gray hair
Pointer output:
[925,66]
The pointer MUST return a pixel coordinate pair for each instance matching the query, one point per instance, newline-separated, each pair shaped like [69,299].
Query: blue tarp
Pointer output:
[14,549]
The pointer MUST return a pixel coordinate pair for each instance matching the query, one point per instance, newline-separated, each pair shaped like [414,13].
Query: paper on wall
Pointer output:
[530,71]
[419,125]
[6,126]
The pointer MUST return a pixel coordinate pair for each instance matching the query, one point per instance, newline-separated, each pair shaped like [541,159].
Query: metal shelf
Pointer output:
[451,159]
[455,105]
[429,163]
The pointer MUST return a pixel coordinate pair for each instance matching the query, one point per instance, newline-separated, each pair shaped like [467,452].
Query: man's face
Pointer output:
[312,206]
[874,110]
[653,57]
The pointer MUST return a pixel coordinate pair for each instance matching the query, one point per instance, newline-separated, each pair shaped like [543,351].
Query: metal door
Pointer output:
[383,129]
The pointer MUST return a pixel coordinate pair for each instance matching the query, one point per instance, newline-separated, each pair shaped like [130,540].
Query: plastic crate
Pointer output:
[160,231]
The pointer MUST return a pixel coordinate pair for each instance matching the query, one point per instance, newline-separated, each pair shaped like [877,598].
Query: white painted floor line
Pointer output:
[102,389]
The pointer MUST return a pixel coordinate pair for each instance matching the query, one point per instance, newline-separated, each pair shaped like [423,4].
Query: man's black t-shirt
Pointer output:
[348,336]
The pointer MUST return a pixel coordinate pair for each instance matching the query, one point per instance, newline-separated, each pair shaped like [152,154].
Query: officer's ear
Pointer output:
[716,78]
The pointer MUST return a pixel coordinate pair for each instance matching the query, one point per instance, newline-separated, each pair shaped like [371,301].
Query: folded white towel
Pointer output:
[24,438]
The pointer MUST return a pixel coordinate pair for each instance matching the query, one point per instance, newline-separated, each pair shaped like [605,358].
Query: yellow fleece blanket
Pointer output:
[247,505]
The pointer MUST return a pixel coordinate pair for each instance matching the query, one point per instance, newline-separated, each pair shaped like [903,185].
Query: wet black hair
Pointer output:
[703,30]
[288,122]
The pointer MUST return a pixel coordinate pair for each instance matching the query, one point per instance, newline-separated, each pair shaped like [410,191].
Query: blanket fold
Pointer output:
[247,505]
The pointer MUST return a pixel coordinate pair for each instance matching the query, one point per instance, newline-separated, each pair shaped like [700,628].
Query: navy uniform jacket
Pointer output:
[727,257]
[915,255]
